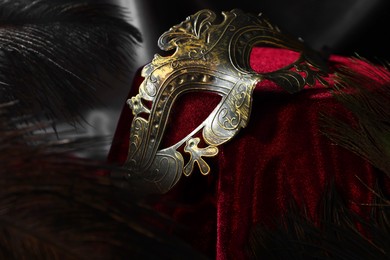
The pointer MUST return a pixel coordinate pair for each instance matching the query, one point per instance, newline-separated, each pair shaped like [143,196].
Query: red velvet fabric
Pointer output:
[280,156]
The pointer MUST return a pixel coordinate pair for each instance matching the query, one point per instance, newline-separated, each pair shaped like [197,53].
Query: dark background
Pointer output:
[341,26]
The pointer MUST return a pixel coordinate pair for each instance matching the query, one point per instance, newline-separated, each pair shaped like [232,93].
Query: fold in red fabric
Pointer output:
[281,155]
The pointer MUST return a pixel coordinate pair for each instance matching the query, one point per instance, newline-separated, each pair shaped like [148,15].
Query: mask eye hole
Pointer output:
[270,59]
[187,113]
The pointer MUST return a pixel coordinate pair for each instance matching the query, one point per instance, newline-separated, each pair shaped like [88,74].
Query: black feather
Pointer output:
[54,53]
[365,95]
[336,232]
[55,205]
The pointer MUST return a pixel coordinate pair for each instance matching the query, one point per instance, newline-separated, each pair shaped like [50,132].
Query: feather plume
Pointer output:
[54,53]
[54,205]
[365,93]
[334,234]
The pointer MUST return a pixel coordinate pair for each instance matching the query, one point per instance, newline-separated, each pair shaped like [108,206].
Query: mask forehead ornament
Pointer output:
[209,56]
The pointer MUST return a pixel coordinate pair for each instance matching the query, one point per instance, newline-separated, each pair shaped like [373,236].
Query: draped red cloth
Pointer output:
[281,155]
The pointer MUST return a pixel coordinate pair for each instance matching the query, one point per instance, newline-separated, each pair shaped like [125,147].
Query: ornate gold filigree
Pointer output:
[209,57]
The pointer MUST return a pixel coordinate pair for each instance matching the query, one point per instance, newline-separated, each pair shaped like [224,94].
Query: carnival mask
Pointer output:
[208,57]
